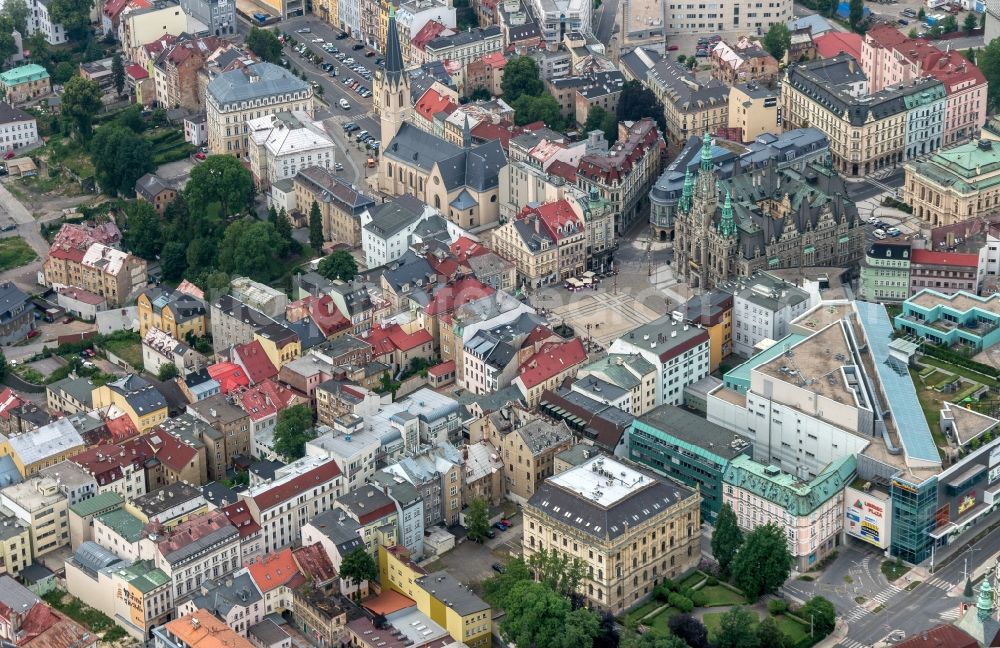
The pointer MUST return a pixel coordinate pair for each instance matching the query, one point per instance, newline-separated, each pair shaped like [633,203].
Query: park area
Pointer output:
[711,601]
[939,381]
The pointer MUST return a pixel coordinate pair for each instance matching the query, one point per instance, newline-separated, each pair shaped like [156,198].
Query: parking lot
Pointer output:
[472,563]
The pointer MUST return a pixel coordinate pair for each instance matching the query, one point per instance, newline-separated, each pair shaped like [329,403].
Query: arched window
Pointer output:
[437,202]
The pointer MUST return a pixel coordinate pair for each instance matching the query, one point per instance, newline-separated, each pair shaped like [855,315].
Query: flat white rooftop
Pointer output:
[601,480]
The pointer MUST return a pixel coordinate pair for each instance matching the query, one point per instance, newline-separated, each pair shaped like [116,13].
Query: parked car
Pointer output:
[8,227]
[338,167]
[357,46]
[8,155]
[341,35]
[344,104]
[199,155]
[304,30]
[903,21]
[879,234]
[507,522]
[348,61]
[672,48]
[32,333]
[498,568]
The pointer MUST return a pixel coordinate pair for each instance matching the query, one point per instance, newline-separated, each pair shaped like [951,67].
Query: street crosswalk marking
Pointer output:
[847,642]
[856,613]
[939,583]
[949,615]
[886,594]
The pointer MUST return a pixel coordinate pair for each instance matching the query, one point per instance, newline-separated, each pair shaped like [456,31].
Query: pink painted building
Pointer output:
[889,58]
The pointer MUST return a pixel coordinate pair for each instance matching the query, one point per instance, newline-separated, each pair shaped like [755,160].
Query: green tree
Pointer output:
[131,118]
[17,11]
[497,589]
[143,235]
[600,119]
[856,14]
[358,567]
[913,32]
[970,23]
[769,635]
[521,77]
[8,46]
[293,429]
[3,365]
[690,629]
[173,260]
[949,24]
[652,639]
[338,265]
[538,616]
[73,15]
[726,540]
[778,40]
[638,101]
[480,94]
[529,109]
[120,157]
[561,573]
[221,184]
[988,60]
[763,562]
[168,371]
[921,14]
[736,629]
[80,102]
[264,44]
[63,72]
[477,520]
[283,226]
[315,227]
[118,73]
[250,247]
[821,613]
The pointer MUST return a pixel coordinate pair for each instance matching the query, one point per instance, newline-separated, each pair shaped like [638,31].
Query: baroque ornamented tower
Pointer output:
[704,250]
[395,89]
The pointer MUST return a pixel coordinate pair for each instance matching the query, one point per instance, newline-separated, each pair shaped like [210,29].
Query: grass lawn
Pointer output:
[692,579]
[930,403]
[659,622]
[961,371]
[713,622]
[128,350]
[893,569]
[642,610]
[719,595]
[15,252]
[793,629]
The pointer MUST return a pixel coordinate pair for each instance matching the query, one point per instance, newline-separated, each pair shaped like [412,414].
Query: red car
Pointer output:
[199,155]
[672,48]
[8,155]
[33,333]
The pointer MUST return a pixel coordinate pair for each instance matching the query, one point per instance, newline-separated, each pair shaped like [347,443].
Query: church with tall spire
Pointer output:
[762,218]
[461,182]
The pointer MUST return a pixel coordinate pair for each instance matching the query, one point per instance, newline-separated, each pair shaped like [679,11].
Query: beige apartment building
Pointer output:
[691,107]
[955,184]
[754,109]
[101,270]
[528,454]
[258,90]
[39,504]
[142,26]
[340,203]
[631,529]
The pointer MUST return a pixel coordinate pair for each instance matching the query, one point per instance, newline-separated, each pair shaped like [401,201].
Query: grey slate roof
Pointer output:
[599,388]
[10,114]
[141,394]
[478,167]
[407,270]
[13,301]
[334,189]
[394,216]
[150,186]
[464,38]
[393,52]
[693,429]
[683,90]
[221,596]
[539,435]
[340,528]
[255,82]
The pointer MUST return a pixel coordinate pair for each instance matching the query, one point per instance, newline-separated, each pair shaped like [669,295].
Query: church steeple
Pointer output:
[688,191]
[706,152]
[727,226]
[394,85]
[466,134]
[393,52]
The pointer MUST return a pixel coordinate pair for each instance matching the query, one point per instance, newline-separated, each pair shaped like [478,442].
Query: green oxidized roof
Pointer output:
[618,374]
[787,491]
[124,524]
[959,166]
[144,576]
[23,74]
[96,503]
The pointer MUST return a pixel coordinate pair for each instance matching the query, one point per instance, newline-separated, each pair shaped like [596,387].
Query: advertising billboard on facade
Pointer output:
[867,517]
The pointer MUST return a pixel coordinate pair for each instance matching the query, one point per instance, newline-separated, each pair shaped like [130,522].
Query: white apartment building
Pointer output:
[679,351]
[763,307]
[412,15]
[206,546]
[39,21]
[41,506]
[299,492]
[386,228]
[743,16]
[235,97]
[556,18]
[351,445]
[410,509]
[283,143]
[17,128]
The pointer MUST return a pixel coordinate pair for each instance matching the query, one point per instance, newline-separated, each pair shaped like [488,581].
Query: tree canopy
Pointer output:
[690,629]
[538,616]
[73,15]
[600,119]
[264,44]
[81,100]
[520,77]
[338,265]
[8,46]
[143,234]
[778,40]
[358,567]
[17,11]
[769,635]
[988,60]
[822,614]
[638,101]
[120,157]
[173,260]
[736,629]
[118,74]
[315,227]
[856,13]
[560,572]
[219,183]
[293,429]
[477,519]
[250,247]
[652,639]
[529,109]
[763,562]
[726,540]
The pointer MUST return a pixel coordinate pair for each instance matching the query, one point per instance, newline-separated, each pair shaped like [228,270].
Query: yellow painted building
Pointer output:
[43,447]
[174,313]
[279,343]
[754,109]
[714,311]
[15,546]
[139,399]
[448,603]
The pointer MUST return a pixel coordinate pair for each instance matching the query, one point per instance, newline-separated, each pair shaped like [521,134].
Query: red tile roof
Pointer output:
[43,627]
[456,294]
[314,562]
[9,400]
[107,463]
[618,162]
[564,170]
[833,43]
[252,357]
[942,636]
[277,494]
[495,59]
[136,71]
[442,368]
[189,288]
[953,259]
[265,399]
[552,359]
[273,570]
[240,517]
[192,530]
[387,602]
[327,316]
[445,268]
[465,248]
[432,102]
[230,376]
[386,339]
[950,68]
[122,428]
[427,33]
[558,217]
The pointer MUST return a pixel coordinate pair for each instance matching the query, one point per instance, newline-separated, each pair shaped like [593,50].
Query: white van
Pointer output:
[344,104]
[878,234]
